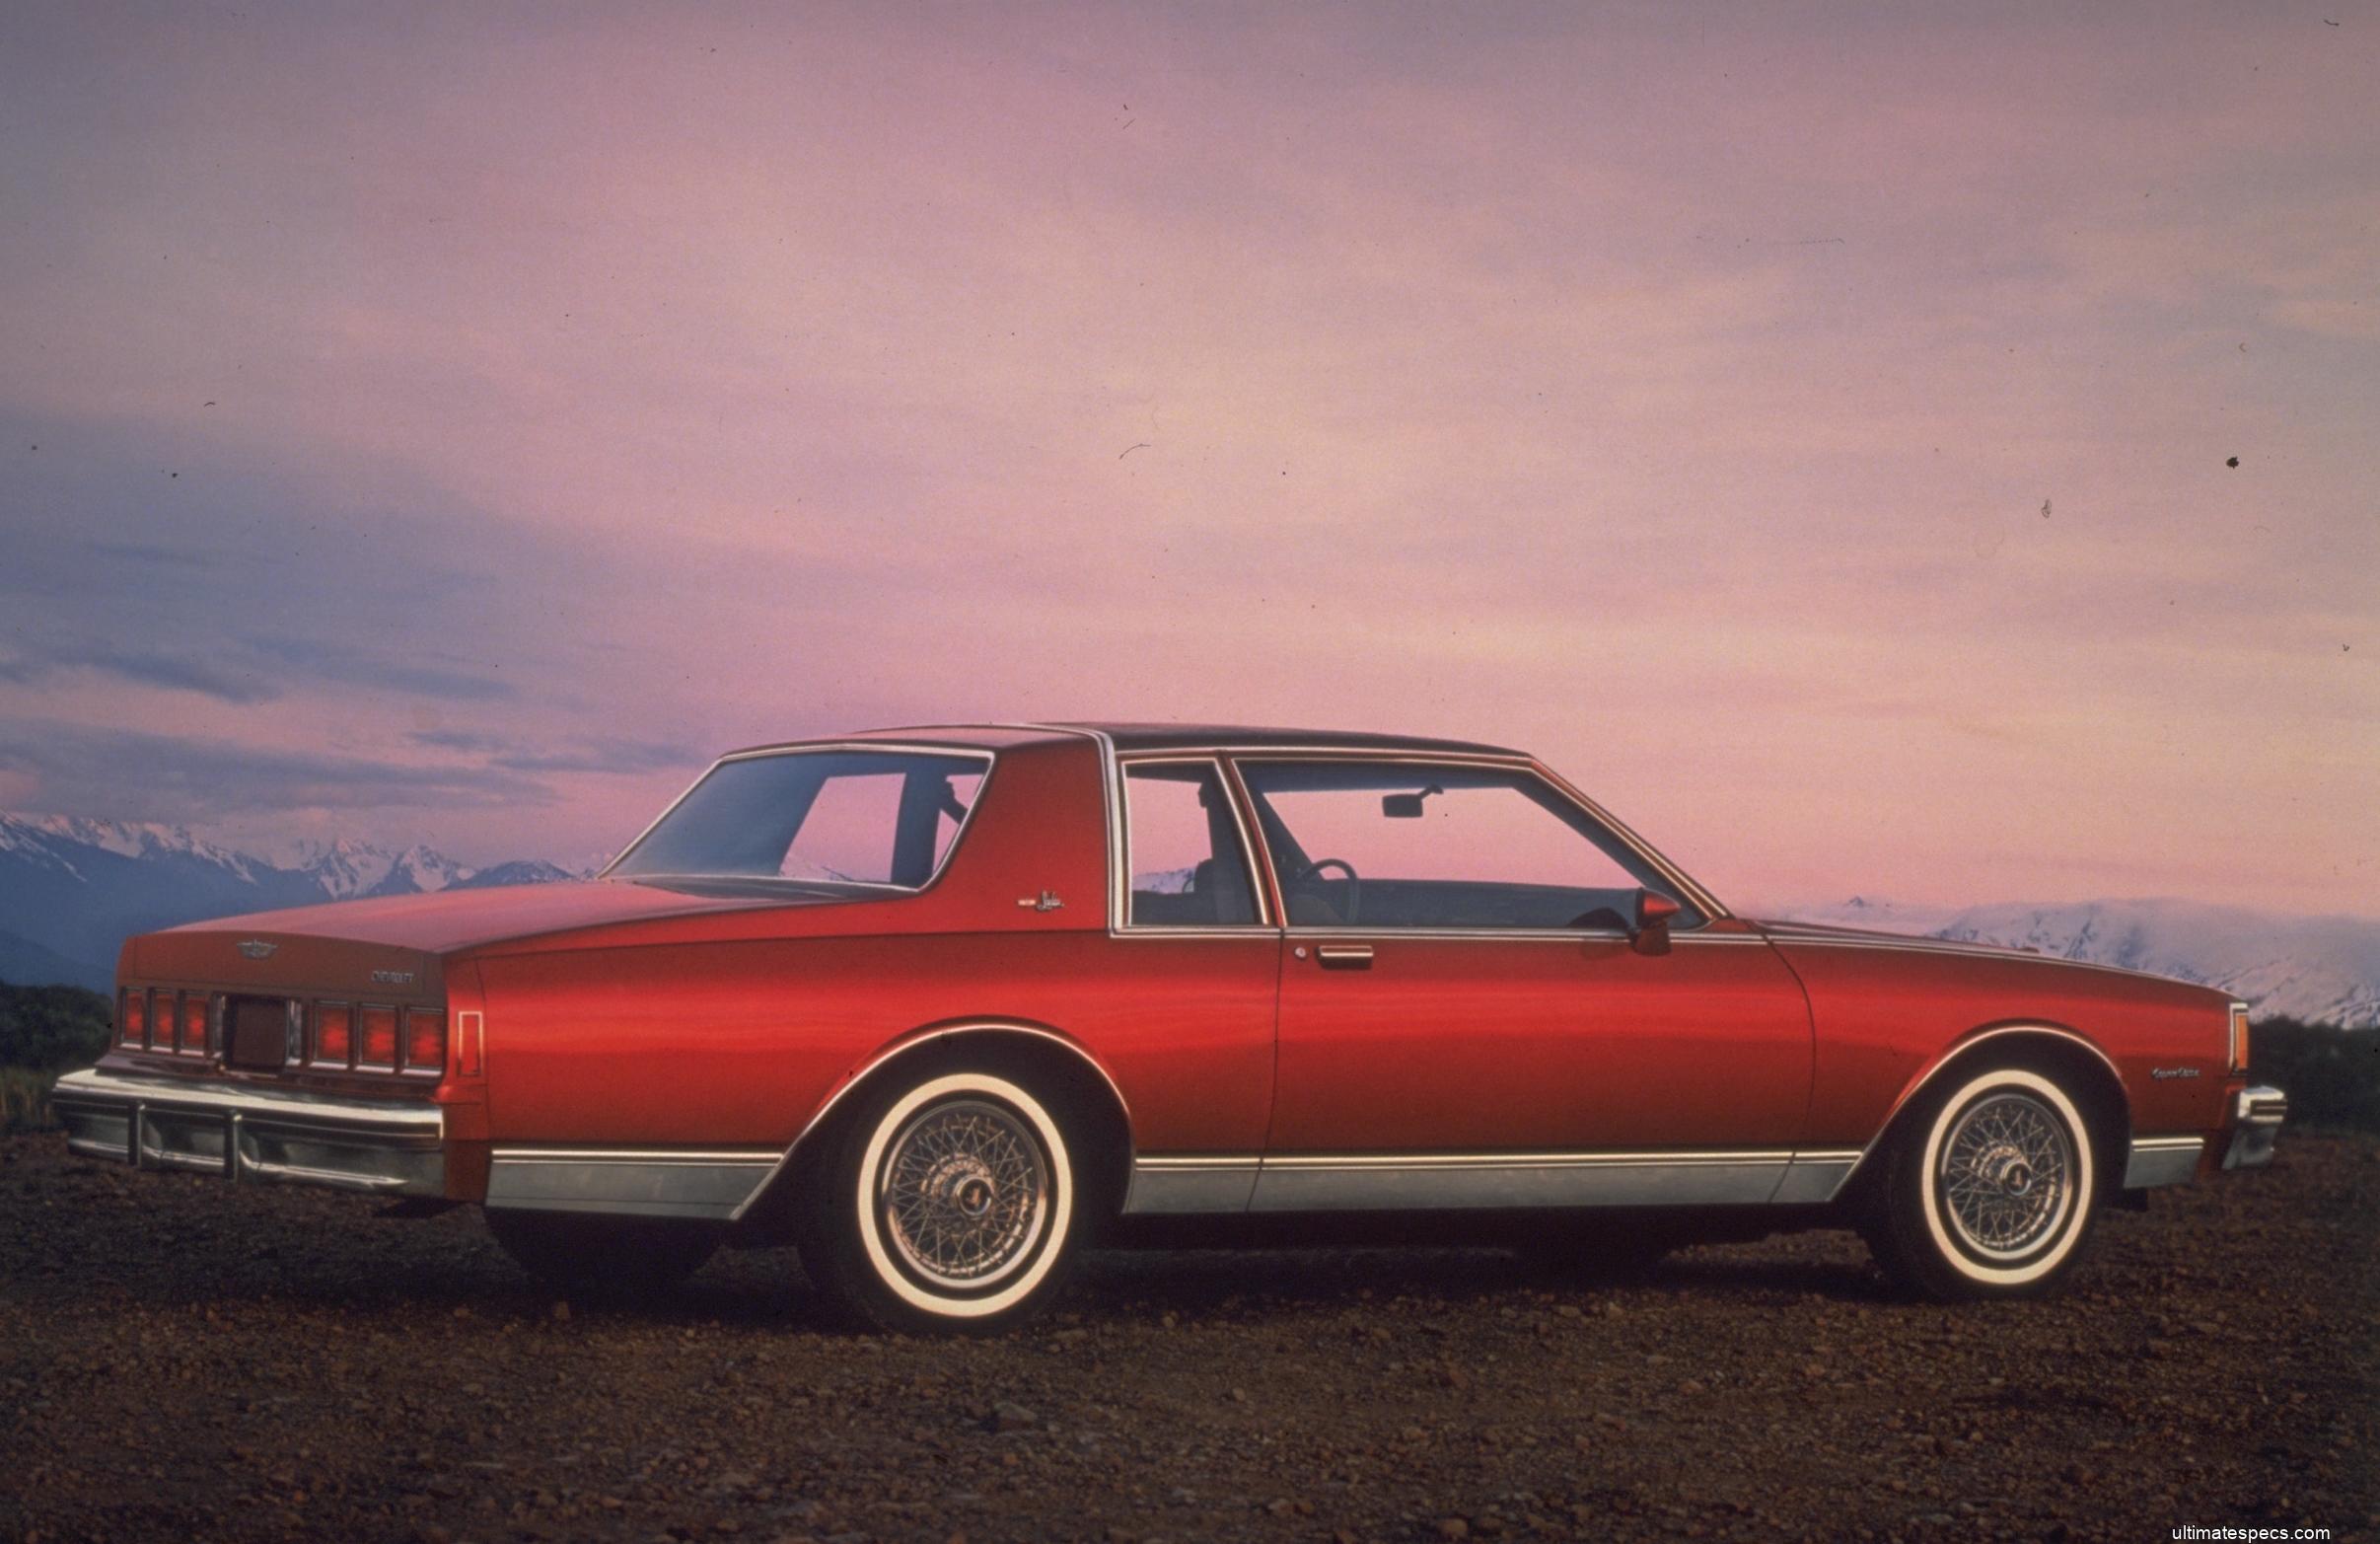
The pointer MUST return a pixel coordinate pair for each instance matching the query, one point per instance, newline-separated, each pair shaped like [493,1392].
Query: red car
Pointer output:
[938,1003]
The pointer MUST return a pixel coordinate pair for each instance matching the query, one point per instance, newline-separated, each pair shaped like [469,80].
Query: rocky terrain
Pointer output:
[180,1359]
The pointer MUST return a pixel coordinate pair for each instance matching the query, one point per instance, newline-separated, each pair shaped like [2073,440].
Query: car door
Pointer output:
[1466,1020]
[1196,936]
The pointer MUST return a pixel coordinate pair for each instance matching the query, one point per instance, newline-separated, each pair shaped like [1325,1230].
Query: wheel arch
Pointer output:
[1076,1076]
[2096,1083]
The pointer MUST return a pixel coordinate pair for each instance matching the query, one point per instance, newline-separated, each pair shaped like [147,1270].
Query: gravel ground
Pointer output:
[180,1359]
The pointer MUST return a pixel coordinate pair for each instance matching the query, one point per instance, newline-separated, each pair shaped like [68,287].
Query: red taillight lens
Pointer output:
[378,1039]
[425,1040]
[192,1038]
[333,1035]
[133,1019]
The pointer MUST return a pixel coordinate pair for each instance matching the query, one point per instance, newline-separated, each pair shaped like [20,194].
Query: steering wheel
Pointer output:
[1354,884]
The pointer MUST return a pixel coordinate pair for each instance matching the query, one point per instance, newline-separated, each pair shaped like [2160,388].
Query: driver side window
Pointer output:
[1387,845]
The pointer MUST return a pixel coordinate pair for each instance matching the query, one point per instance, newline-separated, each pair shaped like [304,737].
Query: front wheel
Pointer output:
[945,1203]
[1989,1191]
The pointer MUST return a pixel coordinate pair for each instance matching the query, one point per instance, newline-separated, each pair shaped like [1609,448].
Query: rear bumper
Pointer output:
[2257,1115]
[254,1134]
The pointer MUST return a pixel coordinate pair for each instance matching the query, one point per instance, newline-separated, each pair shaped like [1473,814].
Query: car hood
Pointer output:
[1786,934]
[446,920]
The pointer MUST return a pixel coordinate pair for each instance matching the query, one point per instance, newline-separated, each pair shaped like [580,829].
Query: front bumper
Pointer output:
[2256,1120]
[254,1134]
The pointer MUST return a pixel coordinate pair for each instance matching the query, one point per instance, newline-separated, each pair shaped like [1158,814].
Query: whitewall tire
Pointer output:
[947,1201]
[1988,1188]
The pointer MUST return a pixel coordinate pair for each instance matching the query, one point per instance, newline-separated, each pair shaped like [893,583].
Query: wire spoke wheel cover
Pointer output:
[965,1191]
[962,1196]
[2005,1178]
[2006,1174]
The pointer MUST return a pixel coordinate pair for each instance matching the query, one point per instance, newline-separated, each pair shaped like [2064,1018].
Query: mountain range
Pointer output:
[71,889]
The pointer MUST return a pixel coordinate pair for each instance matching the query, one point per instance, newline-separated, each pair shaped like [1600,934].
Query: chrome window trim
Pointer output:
[989,759]
[1247,855]
[1709,904]
[908,1042]
[1704,901]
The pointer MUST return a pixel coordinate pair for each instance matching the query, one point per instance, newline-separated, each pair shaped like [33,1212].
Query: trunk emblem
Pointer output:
[258,948]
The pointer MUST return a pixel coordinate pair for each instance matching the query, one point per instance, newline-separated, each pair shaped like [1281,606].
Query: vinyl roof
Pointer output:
[1131,737]
[1190,737]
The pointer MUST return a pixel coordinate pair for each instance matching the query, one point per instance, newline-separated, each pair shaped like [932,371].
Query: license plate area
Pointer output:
[258,1032]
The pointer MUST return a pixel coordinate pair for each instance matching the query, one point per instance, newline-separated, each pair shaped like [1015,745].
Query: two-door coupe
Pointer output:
[936,1003]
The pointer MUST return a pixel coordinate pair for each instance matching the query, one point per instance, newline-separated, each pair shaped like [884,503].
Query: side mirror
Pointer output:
[1654,910]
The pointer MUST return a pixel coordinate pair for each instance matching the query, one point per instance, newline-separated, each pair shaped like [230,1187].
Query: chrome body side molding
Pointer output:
[1816,1176]
[697,1185]
[1190,1186]
[2162,1160]
[252,1135]
[1221,1183]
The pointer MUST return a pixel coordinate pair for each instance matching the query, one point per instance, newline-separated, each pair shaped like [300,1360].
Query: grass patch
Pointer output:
[24,1099]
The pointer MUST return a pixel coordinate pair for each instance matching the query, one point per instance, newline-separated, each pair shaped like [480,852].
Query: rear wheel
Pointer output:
[1989,1191]
[602,1257]
[946,1201]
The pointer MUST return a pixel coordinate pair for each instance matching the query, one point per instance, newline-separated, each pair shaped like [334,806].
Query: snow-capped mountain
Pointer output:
[2324,970]
[348,868]
[71,889]
[56,835]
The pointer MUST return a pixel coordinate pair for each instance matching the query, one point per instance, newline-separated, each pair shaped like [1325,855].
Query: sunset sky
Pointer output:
[1809,428]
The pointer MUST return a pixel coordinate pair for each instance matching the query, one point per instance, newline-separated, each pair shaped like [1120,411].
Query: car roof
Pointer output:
[1192,737]
[1140,737]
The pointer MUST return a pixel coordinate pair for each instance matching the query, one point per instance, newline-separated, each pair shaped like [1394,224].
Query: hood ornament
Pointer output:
[258,948]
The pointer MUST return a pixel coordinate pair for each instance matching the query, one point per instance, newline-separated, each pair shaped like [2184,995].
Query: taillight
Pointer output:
[334,1043]
[191,1040]
[2239,1037]
[425,1040]
[132,1018]
[379,1040]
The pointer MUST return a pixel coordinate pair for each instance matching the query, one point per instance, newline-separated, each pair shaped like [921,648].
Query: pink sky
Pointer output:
[1807,427]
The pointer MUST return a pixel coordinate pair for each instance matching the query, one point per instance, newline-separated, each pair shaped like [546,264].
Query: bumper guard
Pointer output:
[2255,1122]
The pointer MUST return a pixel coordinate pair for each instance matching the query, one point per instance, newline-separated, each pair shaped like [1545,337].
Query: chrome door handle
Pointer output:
[1344,956]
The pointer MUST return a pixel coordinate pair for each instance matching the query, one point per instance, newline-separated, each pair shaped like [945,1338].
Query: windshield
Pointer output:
[878,818]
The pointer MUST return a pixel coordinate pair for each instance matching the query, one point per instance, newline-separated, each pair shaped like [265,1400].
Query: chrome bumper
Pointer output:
[2255,1122]
[261,1134]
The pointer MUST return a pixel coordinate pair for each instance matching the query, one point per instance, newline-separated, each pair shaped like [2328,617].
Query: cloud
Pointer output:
[344,664]
[174,672]
[607,755]
[127,773]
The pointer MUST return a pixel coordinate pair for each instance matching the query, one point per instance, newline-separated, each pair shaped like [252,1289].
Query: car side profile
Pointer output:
[940,1005]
